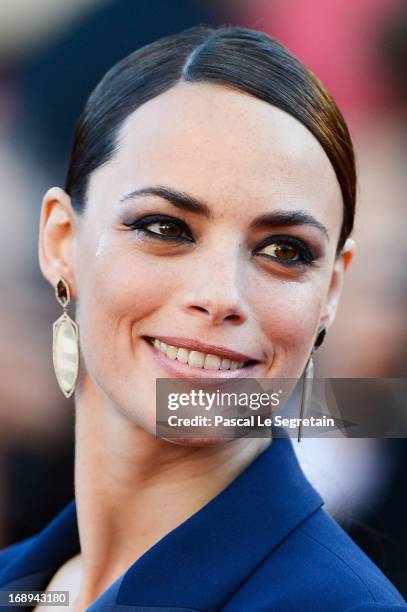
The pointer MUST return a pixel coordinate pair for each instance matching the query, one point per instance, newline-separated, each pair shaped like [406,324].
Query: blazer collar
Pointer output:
[199,564]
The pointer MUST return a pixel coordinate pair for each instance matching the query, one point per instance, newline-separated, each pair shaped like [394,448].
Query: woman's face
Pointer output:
[216,221]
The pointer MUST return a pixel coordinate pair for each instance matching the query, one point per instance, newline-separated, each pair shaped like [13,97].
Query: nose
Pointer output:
[216,290]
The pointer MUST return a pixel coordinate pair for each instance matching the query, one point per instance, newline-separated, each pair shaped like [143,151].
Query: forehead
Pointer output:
[226,147]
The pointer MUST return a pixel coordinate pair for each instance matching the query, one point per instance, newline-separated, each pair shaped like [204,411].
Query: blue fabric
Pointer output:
[263,544]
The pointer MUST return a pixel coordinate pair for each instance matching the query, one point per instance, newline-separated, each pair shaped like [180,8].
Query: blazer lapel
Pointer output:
[201,563]
[37,559]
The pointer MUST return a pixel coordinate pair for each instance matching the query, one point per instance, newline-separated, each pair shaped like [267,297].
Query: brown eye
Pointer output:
[165,230]
[172,230]
[161,228]
[283,251]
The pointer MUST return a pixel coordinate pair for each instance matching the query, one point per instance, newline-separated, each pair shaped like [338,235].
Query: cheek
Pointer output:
[289,312]
[117,292]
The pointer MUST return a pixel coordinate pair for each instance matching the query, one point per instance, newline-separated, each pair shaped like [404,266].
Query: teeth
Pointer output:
[172,352]
[183,355]
[225,364]
[212,362]
[196,359]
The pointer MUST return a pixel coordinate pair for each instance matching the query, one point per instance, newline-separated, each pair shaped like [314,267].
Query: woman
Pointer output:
[203,232]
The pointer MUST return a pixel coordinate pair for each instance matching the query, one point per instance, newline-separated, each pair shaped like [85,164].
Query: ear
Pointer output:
[341,265]
[56,247]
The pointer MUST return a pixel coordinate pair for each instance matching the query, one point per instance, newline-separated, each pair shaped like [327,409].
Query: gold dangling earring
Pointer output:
[308,380]
[65,343]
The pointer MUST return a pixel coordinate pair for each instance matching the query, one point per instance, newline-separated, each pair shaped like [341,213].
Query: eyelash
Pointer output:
[141,225]
[306,255]
[305,252]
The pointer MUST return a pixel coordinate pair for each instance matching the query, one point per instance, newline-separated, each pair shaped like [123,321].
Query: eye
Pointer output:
[162,228]
[166,228]
[287,250]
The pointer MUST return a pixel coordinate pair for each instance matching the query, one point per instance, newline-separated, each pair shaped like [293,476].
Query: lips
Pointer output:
[241,368]
[198,345]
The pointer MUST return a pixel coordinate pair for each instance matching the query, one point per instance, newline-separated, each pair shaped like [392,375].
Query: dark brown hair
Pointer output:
[243,59]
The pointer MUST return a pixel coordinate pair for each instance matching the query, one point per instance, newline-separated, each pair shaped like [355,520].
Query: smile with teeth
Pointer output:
[196,359]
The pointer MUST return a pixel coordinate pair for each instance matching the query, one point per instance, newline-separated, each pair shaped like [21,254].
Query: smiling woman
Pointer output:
[203,232]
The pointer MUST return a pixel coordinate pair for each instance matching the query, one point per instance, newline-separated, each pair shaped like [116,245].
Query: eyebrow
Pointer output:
[187,202]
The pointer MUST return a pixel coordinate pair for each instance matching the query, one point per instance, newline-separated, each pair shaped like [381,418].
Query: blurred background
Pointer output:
[51,56]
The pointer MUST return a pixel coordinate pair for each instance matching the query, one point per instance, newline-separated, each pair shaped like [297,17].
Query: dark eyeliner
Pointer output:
[307,255]
[141,224]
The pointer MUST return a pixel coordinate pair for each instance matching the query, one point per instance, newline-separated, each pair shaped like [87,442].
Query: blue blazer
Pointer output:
[263,544]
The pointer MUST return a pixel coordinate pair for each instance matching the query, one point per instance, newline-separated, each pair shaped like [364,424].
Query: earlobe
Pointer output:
[57,238]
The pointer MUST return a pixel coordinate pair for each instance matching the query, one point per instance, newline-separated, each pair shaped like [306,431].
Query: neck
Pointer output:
[132,488]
